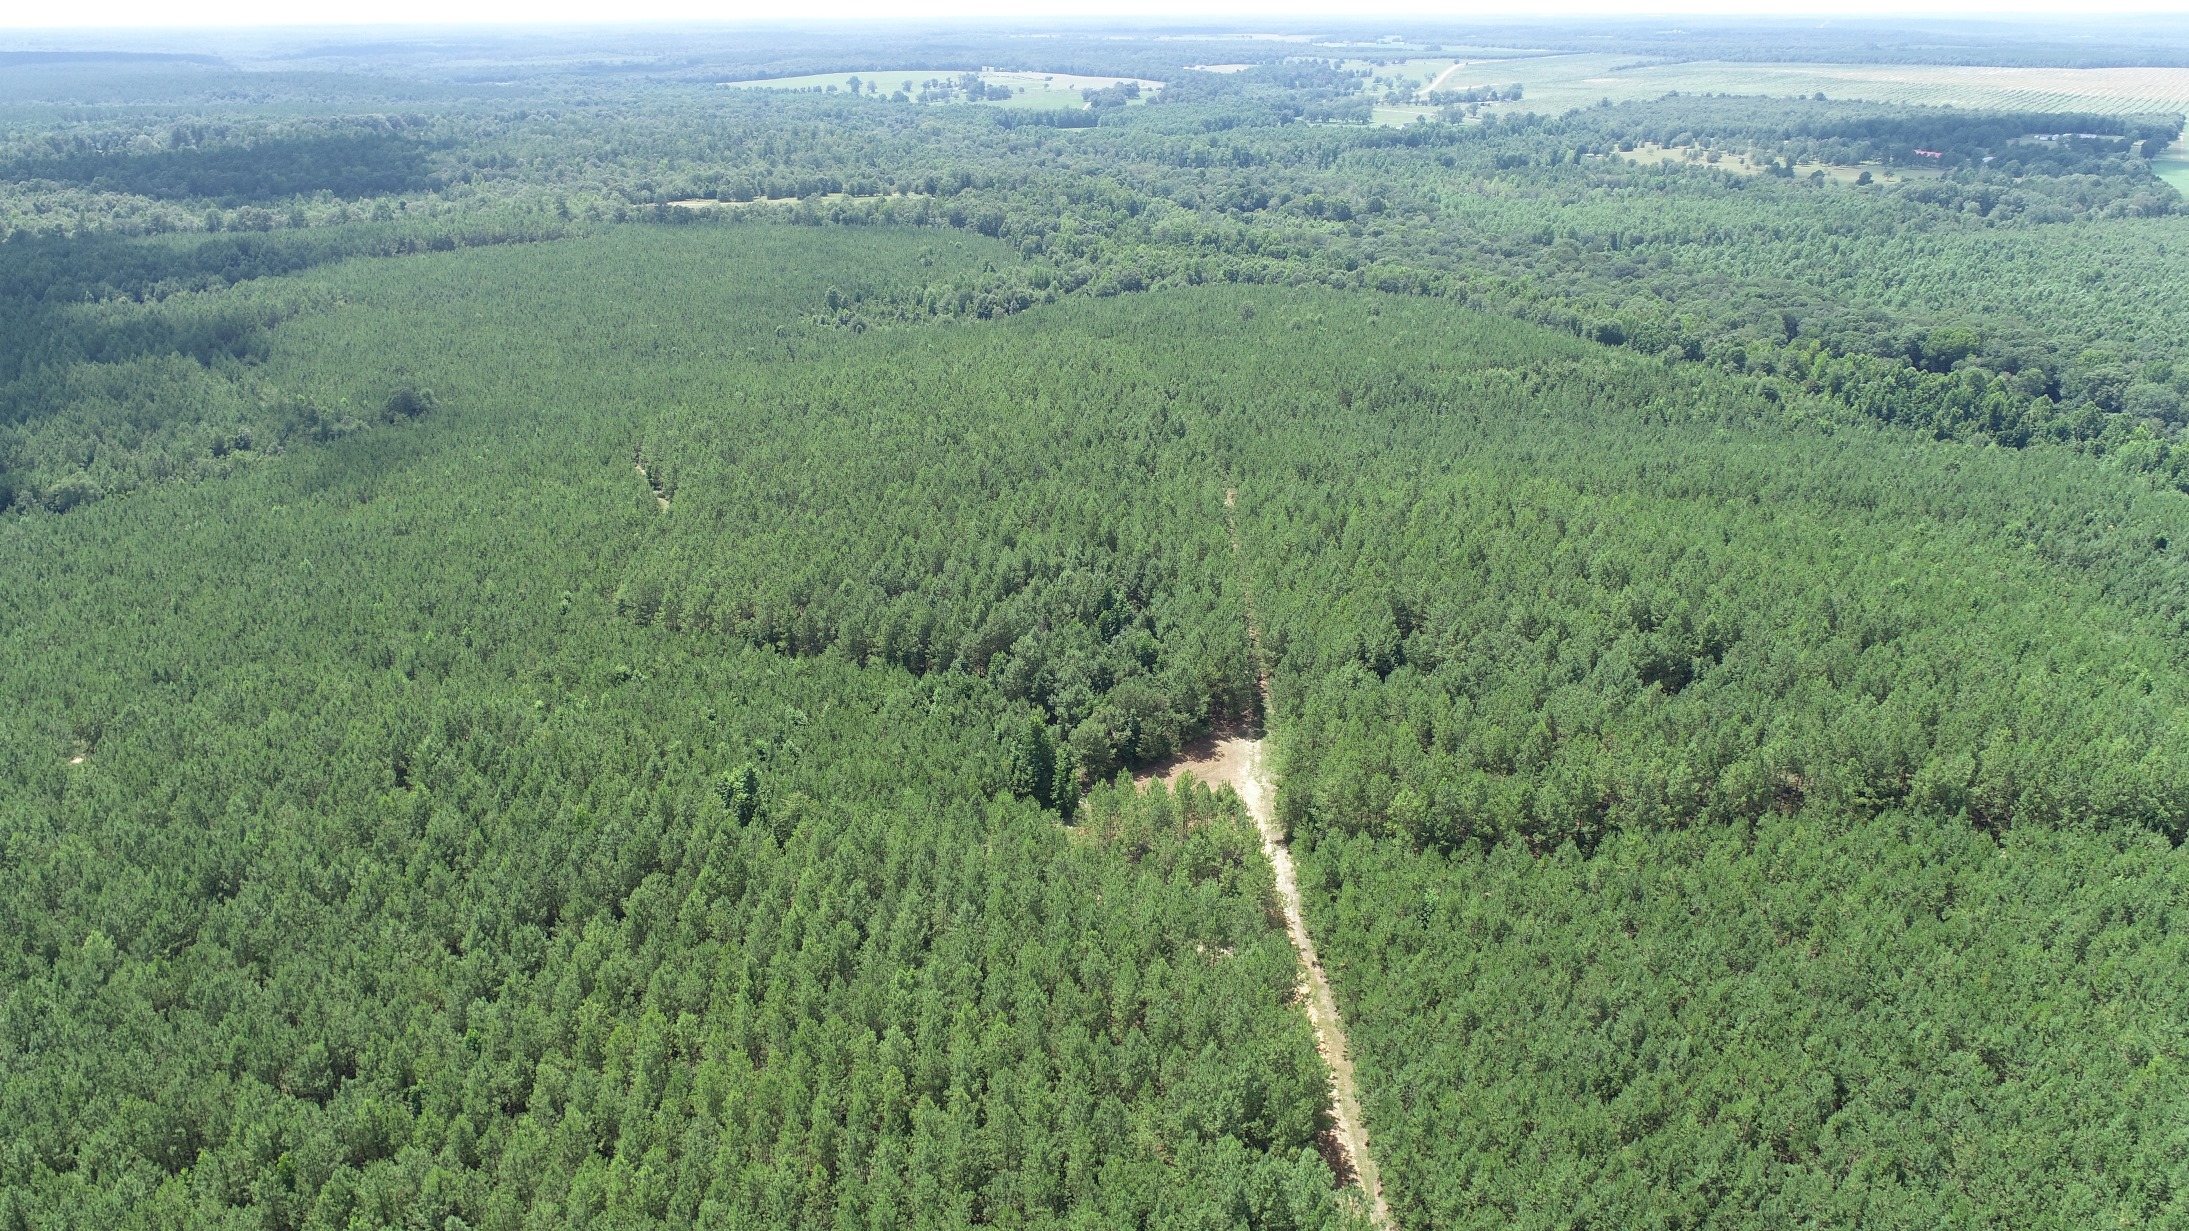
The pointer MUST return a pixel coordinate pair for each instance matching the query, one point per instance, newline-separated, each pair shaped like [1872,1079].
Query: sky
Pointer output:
[158,14]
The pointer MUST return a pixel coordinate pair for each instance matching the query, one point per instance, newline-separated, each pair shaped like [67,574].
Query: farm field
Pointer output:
[888,80]
[1553,83]
[1463,75]
[1384,77]
[2100,90]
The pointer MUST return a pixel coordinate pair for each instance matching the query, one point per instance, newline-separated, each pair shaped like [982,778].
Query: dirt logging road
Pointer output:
[1238,760]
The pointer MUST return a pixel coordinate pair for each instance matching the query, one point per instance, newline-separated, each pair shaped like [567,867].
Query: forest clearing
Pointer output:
[815,198]
[1652,155]
[1013,88]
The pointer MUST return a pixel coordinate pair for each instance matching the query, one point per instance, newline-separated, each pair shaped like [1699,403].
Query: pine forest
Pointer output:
[756,627]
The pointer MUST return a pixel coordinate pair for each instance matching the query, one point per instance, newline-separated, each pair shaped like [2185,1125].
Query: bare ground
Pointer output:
[1217,760]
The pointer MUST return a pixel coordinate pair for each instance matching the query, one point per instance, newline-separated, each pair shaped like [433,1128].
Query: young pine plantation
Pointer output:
[512,717]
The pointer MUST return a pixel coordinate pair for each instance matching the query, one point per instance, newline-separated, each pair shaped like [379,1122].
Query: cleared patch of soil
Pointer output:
[1220,759]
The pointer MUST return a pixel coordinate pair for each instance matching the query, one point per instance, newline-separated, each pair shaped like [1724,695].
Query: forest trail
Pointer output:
[661,498]
[1237,759]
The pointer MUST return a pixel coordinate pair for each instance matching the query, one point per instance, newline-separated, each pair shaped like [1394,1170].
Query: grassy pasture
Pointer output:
[1467,74]
[887,79]
[1382,74]
[1046,91]
[1551,84]
[2173,167]
[1555,83]
[1399,116]
[1652,154]
[2105,90]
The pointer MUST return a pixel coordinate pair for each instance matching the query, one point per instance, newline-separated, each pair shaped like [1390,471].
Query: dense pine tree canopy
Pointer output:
[575,647]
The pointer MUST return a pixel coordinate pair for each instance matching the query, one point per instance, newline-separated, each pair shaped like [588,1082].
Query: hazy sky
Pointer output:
[18,14]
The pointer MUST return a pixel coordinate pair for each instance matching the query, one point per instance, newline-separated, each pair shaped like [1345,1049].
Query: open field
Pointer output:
[1465,74]
[1551,83]
[1556,83]
[1652,154]
[1031,89]
[887,79]
[1399,116]
[2173,167]
[2105,90]
[1052,90]
[1383,75]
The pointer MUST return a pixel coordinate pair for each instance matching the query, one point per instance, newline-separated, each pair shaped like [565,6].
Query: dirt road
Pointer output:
[1442,78]
[1236,759]
[660,497]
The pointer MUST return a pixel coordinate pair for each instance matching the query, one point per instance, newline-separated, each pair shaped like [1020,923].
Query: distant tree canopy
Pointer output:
[345,164]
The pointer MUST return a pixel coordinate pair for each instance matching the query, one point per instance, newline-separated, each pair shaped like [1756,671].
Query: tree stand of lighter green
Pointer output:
[1260,796]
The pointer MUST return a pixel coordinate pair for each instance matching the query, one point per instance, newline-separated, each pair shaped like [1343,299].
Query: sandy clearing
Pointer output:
[1222,759]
